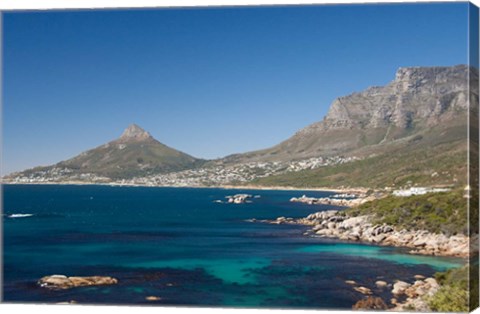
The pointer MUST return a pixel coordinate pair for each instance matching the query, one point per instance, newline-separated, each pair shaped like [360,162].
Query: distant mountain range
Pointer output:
[422,114]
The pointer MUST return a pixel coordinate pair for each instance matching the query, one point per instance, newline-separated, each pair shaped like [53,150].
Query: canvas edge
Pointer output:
[473,154]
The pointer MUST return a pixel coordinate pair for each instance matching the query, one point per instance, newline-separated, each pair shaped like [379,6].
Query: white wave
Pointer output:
[19,215]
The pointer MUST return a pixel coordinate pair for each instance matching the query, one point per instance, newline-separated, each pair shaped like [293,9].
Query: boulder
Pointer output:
[378,238]
[353,222]
[61,282]
[363,290]
[399,287]
[381,284]
[391,240]
[387,229]
[55,282]
[432,282]
[336,219]
[370,303]
[331,225]
[317,227]
[353,237]
[419,242]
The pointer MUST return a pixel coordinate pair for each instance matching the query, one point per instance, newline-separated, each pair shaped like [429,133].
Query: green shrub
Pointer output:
[436,212]
[450,299]
[453,295]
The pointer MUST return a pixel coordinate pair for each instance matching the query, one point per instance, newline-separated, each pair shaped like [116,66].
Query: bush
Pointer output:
[450,299]
[436,212]
[453,295]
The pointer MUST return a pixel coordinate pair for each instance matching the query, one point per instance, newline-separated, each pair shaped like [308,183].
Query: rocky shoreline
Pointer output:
[336,224]
[354,200]
[414,296]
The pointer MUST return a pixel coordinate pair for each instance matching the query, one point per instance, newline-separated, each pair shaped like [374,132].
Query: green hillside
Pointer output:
[438,157]
[436,212]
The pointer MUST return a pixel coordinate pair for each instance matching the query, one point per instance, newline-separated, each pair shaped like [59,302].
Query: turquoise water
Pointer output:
[377,252]
[178,244]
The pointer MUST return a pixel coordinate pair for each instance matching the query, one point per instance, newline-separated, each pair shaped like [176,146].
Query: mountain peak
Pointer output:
[134,132]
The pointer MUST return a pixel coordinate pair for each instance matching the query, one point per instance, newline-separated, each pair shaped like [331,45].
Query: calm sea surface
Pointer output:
[177,244]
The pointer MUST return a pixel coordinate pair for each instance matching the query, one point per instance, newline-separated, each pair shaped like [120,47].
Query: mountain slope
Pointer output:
[135,153]
[410,131]
[373,120]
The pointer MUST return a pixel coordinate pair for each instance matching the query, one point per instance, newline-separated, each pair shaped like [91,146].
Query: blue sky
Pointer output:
[209,82]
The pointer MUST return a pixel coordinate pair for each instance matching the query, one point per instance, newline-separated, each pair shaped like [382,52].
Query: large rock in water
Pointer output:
[61,282]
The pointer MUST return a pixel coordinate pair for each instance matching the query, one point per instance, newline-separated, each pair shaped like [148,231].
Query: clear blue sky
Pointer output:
[209,82]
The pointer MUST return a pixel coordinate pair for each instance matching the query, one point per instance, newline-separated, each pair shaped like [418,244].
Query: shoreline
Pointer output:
[225,187]
[360,229]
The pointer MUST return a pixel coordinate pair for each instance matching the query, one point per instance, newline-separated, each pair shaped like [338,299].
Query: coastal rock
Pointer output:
[399,287]
[353,236]
[353,222]
[417,296]
[331,225]
[322,215]
[336,219]
[363,290]
[61,282]
[381,283]
[332,201]
[335,224]
[238,198]
[420,242]
[350,282]
[370,303]
[378,238]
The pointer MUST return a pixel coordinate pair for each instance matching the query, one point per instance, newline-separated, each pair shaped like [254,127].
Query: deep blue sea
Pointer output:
[181,246]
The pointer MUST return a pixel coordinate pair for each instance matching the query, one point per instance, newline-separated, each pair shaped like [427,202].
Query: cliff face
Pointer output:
[135,133]
[423,94]
[418,100]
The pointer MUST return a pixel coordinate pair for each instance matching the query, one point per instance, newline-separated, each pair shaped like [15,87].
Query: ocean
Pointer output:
[180,246]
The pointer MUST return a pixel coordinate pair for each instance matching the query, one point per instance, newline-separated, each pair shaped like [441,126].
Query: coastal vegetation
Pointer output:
[443,212]
[443,164]
[453,295]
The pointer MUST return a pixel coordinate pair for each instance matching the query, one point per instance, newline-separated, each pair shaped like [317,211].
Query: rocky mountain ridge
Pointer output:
[416,93]
[417,99]
[134,133]
[422,107]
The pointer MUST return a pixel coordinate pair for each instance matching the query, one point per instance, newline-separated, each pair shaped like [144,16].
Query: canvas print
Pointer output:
[292,157]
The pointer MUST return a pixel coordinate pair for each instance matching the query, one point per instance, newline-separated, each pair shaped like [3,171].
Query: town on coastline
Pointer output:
[215,175]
